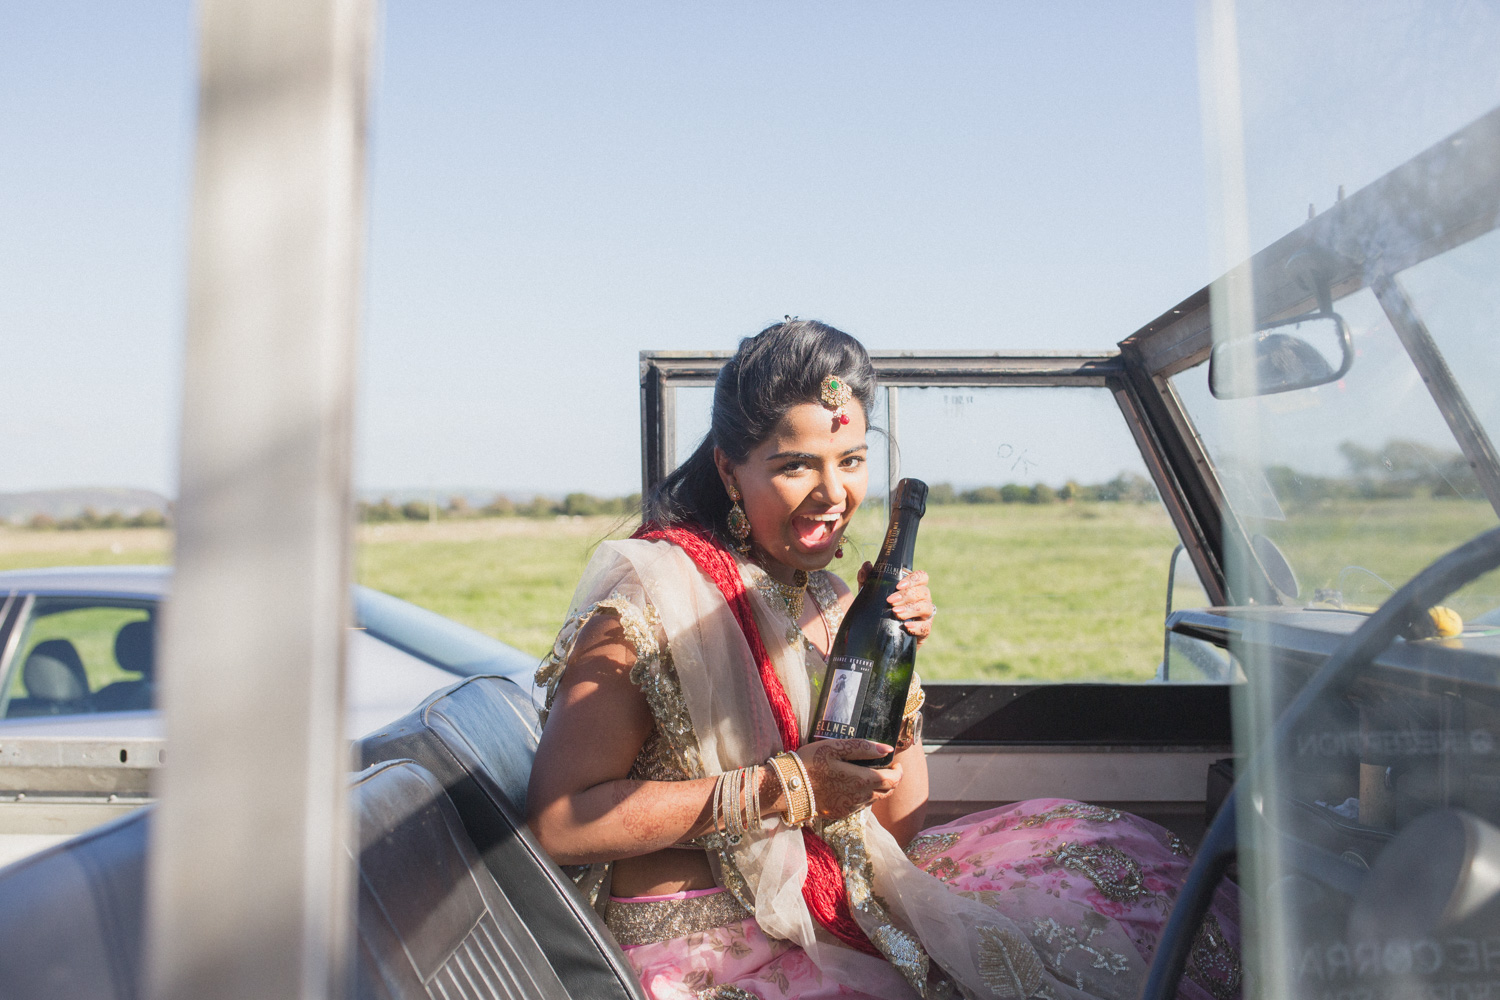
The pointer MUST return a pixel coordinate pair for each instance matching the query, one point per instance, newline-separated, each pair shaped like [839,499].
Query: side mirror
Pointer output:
[1283,360]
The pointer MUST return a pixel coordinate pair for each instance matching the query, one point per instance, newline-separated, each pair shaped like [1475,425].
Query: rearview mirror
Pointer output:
[1282,357]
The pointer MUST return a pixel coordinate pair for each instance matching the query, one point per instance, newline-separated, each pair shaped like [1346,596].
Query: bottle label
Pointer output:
[850,676]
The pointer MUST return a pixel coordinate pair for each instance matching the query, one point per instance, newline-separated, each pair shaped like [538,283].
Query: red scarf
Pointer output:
[824,891]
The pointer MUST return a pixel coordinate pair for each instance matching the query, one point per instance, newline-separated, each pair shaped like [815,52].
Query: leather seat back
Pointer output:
[432,922]
[71,916]
[135,652]
[478,738]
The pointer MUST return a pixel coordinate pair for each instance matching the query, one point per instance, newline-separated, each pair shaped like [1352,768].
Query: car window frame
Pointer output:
[13,628]
[1174,466]
[1183,716]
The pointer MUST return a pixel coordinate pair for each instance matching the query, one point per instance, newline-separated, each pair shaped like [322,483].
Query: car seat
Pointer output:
[432,921]
[135,652]
[55,681]
[478,738]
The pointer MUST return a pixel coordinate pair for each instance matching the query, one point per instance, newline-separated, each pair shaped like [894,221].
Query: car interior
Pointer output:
[456,898]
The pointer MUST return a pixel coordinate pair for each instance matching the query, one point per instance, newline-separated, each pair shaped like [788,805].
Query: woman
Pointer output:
[728,866]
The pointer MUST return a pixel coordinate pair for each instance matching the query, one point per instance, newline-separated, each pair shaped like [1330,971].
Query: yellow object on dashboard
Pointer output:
[1445,621]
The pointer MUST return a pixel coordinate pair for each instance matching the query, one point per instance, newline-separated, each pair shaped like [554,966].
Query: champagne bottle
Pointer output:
[871,659]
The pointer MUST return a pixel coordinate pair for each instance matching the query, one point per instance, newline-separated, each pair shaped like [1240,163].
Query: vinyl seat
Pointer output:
[432,922]
[478,738]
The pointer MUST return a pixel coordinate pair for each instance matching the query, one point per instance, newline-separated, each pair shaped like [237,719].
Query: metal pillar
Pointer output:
[892,444]
[250,884]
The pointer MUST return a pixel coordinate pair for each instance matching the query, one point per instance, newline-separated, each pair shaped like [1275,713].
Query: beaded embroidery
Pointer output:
[650,921]
[944,868]
[1072,810]
[727,991]
[676,749]
[1114,872]
[1214,964]
[923,849]
[1058,941]
[847,838]
[1008,964]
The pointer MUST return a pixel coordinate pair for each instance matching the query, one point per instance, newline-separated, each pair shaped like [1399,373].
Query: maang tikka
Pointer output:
[739,523]
[836,394]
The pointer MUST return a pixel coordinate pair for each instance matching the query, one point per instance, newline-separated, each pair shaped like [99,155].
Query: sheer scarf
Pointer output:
[703,676]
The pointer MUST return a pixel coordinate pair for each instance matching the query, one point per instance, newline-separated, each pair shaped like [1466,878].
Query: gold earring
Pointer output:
[739,523]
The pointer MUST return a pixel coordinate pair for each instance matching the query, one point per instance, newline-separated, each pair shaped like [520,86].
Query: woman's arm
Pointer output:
[582,808]
[579,803]
[905,810]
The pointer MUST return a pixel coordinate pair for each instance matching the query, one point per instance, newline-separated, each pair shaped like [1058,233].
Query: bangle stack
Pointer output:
[801,806]
[737,804]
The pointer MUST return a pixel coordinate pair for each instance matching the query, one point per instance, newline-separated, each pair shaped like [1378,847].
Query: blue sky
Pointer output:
[555,187]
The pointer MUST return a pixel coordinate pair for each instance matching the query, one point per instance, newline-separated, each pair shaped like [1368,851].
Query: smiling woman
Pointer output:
[720,844]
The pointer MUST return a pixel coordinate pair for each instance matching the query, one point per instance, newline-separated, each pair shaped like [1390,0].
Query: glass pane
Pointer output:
[80,656]
[1359,483]
[1458,298]
[1366,830]
[1045,539]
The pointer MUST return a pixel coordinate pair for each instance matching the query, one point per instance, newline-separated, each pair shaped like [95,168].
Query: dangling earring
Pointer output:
[838,551]
[739,523]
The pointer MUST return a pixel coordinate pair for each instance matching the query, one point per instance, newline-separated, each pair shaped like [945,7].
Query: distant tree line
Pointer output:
[1397,470]
[1127,487]
[458,508]
[91,518]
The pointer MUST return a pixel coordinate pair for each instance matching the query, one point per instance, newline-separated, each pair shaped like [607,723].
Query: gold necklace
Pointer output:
[793,595]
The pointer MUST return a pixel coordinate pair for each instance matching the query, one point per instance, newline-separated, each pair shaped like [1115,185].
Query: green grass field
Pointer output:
[1025,593]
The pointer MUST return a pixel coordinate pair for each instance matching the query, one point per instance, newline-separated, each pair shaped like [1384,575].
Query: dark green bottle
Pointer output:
[871,659]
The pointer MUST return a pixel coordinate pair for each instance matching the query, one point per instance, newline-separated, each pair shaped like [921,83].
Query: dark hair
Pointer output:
[780,367]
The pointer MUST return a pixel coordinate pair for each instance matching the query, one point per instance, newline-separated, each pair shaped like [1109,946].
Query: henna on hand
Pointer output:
[912,605]
[842,788]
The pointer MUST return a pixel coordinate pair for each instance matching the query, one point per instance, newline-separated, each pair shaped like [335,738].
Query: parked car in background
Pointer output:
[78,650]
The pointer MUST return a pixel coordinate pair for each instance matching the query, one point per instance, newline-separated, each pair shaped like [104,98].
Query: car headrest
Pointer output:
[54,672]
[135,648]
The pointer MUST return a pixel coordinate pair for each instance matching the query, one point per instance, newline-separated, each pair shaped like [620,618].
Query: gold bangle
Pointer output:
[812,800]
[786,792]
[915,697]
[911,732]
[794,786]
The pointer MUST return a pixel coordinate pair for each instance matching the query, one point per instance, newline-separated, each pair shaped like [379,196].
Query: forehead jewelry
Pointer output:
[836,395]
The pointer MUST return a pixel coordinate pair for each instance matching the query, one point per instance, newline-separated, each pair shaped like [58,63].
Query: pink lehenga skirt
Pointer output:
[1126,869]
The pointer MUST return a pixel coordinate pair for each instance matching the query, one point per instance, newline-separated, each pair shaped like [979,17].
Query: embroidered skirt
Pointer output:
[1125,869]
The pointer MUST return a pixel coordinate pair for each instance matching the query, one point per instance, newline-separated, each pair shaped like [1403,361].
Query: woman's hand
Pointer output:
[912,602]
[841,788]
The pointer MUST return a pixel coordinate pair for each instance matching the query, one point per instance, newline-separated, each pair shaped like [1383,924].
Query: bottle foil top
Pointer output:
[911,494]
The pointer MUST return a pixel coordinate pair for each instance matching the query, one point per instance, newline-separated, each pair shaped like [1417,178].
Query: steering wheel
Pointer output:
[1465,563]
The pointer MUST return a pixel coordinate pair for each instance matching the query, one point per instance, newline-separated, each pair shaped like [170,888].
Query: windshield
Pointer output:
[1360,482]
[1348,406]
